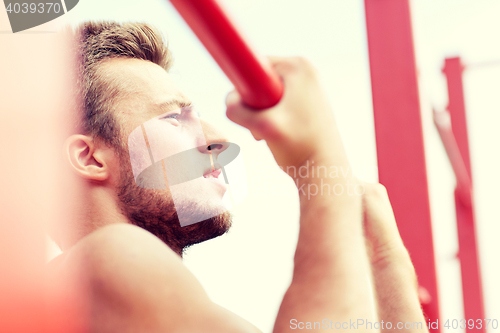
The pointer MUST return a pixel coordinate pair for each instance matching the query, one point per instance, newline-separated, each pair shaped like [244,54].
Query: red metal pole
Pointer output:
[254,78]
[468,253]
[399,137]
[442,121]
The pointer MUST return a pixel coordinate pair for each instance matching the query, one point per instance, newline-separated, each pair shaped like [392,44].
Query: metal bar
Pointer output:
[482,64]
[468,253]
[258,84]
[399,137]
[456,106]
[443,124]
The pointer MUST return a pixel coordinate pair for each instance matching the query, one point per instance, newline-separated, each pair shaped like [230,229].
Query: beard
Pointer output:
[154,211]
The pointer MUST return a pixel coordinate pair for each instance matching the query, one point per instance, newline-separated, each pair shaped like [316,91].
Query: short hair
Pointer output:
[98,42]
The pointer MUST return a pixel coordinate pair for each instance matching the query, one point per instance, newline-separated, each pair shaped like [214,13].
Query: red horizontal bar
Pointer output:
[258,84]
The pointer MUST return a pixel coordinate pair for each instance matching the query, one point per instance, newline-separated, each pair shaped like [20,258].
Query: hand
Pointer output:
[301,125]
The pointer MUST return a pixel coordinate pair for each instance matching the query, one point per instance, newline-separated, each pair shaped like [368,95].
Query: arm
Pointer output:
[331,278]
[394,277]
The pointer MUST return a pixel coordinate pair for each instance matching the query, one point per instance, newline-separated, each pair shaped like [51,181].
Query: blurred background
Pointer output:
[249,269]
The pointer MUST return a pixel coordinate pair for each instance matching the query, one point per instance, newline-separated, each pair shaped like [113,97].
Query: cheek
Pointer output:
[151,143]
[163,145]
[166,140]
[158,140]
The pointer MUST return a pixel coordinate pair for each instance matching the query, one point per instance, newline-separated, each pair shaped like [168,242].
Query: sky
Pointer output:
[249,269]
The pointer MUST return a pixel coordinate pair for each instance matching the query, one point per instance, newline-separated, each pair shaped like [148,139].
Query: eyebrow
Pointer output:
[178,102]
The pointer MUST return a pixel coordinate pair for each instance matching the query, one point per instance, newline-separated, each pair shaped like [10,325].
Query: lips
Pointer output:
[213,177]
[212,174]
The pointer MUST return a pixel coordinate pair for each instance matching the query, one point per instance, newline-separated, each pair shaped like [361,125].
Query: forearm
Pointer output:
[331,277]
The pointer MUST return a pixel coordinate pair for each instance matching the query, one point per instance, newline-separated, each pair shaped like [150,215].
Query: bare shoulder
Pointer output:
[117,242]
[138,284]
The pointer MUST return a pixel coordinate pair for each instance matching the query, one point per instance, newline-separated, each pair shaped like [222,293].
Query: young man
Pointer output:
[350,263]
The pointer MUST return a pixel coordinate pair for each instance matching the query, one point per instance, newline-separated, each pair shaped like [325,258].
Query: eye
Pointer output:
[174,116]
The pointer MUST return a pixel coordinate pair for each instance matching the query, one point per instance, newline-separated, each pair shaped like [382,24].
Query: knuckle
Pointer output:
[300,61]
[381,189]
[375,191]
[306,65]
[296,67]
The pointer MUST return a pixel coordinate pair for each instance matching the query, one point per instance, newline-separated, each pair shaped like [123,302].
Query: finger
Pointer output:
[287,67]
[244,116]
[238,112]
[379,216]
[233,97]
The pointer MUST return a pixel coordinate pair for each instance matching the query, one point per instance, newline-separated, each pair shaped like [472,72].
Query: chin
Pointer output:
[157,211]
[194,211]
[194,204]
[203,231]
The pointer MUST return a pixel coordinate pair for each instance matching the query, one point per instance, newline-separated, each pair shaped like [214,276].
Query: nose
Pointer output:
[216,141]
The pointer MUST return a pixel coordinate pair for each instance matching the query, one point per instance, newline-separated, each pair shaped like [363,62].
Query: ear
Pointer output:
[87,158]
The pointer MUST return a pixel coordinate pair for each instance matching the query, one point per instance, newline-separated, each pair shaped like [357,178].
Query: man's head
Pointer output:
[124,82]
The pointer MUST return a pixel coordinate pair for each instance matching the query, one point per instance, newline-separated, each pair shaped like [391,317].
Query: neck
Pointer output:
[94,208]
